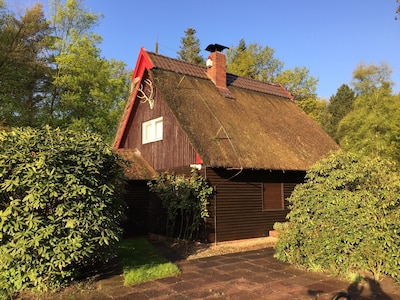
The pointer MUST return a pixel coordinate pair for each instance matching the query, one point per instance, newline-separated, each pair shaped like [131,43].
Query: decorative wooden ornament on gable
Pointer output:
[142,94]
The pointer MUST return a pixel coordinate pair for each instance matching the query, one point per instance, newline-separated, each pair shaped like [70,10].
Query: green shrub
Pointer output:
[345,217]
[59,210]
[186,200]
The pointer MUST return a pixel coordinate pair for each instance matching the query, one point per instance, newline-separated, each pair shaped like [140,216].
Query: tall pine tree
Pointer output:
[339,106]
[190,48]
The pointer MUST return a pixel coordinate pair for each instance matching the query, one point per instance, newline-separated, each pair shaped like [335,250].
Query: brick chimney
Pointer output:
[216,68]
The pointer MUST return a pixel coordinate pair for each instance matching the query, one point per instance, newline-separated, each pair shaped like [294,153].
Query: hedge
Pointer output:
[345,218]
[59,206]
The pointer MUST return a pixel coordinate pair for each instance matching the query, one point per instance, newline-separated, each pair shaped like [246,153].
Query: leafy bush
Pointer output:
[345,217]
[185,199]
[59,210]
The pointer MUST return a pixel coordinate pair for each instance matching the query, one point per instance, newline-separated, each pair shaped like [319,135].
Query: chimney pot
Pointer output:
[216,65]
[216,68]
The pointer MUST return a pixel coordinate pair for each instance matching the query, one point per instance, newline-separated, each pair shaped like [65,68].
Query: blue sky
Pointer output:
[330,38]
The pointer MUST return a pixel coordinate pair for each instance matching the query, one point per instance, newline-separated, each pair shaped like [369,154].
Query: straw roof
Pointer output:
[135,167]
[261,128]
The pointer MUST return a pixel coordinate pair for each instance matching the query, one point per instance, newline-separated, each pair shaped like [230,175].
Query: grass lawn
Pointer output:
[142,262]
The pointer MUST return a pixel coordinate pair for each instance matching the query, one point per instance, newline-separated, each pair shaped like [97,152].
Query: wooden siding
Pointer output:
[173,150]
[157,216]
[136,198]
[236,210]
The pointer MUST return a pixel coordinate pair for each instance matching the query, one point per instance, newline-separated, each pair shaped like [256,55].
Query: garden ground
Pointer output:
[228,271]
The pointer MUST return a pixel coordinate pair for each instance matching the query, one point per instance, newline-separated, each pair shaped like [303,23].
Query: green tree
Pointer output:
[25,73]
[88,90]
[257,62]
[368,78]
[253,61]
[190,48]
[373,126]
[345,217]
[338,107]
[303,86]
[315,108]
[59,206]
[298,82]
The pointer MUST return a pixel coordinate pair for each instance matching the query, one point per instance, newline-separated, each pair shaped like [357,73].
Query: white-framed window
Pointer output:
[152,130]
[273,196]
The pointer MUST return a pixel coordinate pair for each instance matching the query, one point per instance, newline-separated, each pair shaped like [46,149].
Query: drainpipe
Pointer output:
[215,215]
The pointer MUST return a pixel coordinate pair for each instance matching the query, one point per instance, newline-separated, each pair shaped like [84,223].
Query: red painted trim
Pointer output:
[143,63]
[199,161]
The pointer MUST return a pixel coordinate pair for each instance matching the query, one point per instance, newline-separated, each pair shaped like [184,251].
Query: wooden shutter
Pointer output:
[273,196]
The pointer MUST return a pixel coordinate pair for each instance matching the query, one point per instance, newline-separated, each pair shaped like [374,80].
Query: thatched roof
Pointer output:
[135,167]
[261,128]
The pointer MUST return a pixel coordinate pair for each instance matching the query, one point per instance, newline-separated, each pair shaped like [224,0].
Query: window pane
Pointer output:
[159,130]
[152,130]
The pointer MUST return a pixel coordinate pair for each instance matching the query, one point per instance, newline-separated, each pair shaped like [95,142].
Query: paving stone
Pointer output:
[247,275]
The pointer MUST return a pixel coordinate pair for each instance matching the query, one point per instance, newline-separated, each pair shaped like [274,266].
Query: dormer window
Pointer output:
[152,131]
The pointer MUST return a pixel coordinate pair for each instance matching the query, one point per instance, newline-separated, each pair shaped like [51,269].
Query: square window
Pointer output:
[152,131]
[273,198]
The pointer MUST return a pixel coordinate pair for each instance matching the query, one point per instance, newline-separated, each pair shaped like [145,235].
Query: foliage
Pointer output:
[373,126]
[257,62]
[25,73]
[59,208]
[397,10]
[253,61]
[52,72]
[190,48]
[315,108]
[186,202]
[345,217]
[339,106]
[142,263]
[369,78]
[88,91]
[299,82]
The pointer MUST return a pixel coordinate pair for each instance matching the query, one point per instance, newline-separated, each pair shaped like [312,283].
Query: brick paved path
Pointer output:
[247,275]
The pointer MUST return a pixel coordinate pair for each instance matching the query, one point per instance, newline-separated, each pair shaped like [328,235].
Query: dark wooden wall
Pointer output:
[236,210]
[174,150]
[136,198]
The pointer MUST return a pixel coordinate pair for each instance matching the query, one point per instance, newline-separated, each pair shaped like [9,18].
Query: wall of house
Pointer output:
[173,150]
[136,198]
[236,211]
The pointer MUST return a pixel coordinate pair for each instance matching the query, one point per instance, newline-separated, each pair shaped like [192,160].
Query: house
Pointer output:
[248,138]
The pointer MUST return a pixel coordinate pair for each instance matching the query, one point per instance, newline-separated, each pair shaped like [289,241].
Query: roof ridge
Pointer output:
[186,68]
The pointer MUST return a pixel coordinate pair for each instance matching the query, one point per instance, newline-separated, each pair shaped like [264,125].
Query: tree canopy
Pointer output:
[52,71]
[253,61]
[190,48]
[373,125]
[25,70]
[338,107]
[369,78]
